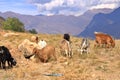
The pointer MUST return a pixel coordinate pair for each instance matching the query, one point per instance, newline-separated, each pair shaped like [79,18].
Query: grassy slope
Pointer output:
[99,64]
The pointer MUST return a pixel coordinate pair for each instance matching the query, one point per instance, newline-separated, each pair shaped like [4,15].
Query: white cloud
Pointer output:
[72,7]
[39,1]
[101,6]
[50,5]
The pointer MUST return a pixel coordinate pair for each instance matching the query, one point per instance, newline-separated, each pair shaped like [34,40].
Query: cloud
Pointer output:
[72,7]
[19,6]
[107,4]
[111,6]
[39,1]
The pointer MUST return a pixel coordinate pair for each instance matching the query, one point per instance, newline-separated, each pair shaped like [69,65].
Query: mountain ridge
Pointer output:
[107,23]
[57,23]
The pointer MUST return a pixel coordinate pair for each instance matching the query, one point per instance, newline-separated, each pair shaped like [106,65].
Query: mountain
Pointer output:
[56,23]
[107,23]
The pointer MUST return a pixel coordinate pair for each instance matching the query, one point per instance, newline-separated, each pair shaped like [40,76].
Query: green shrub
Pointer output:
[33,31]
[13,24]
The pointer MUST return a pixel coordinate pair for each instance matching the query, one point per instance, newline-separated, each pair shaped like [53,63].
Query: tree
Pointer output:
[33,31]
[13,24]
[1,21]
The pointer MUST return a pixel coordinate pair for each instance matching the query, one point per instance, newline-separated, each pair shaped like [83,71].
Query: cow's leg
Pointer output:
[0,64]
[54,55]
[70,54]
[45,59]
[61,52]
[108,46]
[96,44]
[81,51]
[66,52]
[9,64]
[3,65]
[87,50]
[69,50]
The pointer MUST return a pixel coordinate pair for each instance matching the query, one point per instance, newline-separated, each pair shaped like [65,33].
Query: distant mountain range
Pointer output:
[107,23]
[58,23]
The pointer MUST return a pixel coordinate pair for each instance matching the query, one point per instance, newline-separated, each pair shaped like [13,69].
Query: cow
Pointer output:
[45,53]
[103,39]
[26,47]
[85,44]
[5,56]
[65,48]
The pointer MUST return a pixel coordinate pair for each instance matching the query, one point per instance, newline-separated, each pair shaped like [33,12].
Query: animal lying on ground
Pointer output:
[26,47]
[45,53]
[102,39]
[5,56]
[65,48]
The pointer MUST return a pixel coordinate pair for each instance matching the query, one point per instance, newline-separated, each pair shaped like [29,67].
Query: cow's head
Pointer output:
[113,44]
[13,61]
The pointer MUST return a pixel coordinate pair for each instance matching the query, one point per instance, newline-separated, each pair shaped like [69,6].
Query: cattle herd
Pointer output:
[35,47]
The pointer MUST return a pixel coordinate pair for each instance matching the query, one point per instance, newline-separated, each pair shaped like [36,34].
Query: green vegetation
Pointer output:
[33,31]
[1,20]
[13,24]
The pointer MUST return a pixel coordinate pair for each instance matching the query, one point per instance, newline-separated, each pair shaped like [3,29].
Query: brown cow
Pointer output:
[45,53]
[102,39]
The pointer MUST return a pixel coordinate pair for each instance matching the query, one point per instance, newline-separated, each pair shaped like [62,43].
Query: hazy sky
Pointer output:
[52,7]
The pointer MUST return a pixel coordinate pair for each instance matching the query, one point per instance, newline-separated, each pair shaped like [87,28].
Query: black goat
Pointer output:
[6,56]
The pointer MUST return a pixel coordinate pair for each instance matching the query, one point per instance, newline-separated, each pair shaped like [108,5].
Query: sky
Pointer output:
[55,7]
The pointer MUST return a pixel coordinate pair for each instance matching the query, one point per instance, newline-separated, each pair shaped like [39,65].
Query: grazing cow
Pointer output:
[45,53]
[84,45]
[5,55]
[26,47]
[66,37]
[102,39]
[65,48]
[42,44]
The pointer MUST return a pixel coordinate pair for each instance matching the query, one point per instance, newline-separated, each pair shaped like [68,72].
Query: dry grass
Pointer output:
[99,64]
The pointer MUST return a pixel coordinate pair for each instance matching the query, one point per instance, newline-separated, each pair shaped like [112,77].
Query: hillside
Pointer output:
[107,23]
[99,64]
[56,24]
